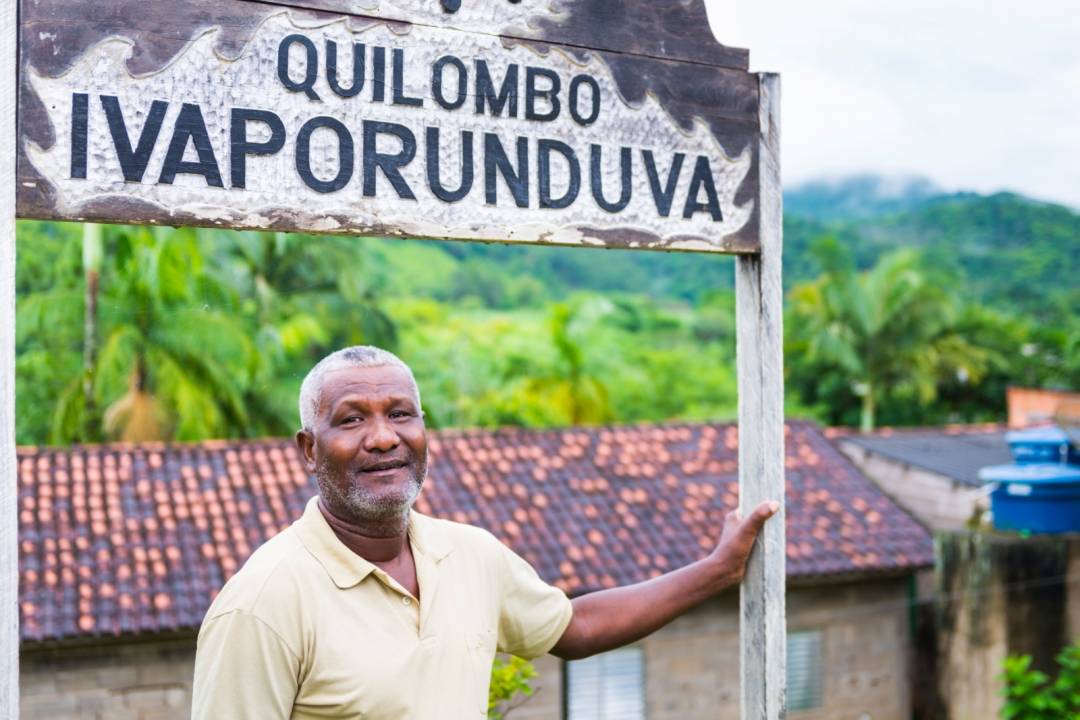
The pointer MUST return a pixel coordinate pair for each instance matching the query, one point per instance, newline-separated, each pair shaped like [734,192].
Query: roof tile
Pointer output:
[122,538]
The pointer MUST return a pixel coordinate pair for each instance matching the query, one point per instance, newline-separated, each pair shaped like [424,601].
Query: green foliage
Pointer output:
[1006,251]
[889,331]
[510,685]
[583,361]
[208,334]
[1030,694]
[201,333]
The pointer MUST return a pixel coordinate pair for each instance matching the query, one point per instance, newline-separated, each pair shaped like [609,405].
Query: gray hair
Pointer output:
[357,356]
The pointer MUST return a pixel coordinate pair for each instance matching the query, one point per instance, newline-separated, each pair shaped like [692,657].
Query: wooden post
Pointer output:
[759,321]
[9,530]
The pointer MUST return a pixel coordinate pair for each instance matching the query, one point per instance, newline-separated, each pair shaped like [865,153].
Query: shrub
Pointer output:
[510,679]
[1030,695]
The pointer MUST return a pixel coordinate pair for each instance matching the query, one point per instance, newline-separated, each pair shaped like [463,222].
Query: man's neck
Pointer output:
[378,542]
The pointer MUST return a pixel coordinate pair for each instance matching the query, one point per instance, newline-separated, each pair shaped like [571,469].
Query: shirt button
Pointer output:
[406,601]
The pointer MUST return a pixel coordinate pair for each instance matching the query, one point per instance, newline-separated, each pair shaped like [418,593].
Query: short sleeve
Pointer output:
[243,671]
[533,615]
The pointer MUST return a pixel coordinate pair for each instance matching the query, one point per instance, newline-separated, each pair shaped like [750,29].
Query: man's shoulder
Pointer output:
[458,536]
[276,571]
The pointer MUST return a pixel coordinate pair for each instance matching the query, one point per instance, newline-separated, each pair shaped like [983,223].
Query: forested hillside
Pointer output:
[1006,250]
[904,305]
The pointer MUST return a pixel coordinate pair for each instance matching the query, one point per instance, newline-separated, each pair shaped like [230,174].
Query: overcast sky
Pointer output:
[973,94]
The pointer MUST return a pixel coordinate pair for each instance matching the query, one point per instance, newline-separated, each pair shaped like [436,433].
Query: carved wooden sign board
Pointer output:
[573,122]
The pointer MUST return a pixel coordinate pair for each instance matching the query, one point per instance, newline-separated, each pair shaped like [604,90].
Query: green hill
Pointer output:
[1006,251]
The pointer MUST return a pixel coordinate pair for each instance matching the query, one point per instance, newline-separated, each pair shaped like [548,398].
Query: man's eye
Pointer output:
[351,420]
[400,414]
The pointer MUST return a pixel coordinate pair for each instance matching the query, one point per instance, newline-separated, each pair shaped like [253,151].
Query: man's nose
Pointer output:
[381,437]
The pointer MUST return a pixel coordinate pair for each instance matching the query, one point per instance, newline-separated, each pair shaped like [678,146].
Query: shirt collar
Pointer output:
[345,567]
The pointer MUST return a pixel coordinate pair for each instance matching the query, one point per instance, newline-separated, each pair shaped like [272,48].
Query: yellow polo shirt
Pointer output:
[308,629]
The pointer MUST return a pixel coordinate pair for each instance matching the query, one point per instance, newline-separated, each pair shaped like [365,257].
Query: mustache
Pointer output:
[405,459]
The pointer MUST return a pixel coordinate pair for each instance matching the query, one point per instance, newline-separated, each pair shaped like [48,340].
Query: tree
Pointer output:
[49,323]
[173,363]
[888,331]
[566,390]
[92,252]
[300,297]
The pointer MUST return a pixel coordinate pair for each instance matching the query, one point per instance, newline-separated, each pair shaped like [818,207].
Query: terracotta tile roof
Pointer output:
[126,539]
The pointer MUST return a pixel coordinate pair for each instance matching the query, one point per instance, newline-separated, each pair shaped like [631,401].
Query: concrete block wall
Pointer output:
[692,666]
[936,501]
[142,681]
[546,701]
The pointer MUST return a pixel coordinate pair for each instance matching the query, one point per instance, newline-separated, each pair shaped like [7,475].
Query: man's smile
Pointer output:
[383,467]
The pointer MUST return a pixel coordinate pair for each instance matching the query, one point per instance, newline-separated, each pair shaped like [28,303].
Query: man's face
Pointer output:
[367,447]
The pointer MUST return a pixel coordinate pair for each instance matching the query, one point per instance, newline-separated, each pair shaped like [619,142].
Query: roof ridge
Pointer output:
[219,443]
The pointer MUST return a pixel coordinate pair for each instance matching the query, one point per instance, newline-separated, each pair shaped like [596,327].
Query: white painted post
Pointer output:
[9,529]
[760,338]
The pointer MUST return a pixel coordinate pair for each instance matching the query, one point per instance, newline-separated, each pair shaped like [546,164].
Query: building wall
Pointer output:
[546,701]
[691,666]
[1072,584]
[999,595]
[145,681]
[1031,406]
[938,502]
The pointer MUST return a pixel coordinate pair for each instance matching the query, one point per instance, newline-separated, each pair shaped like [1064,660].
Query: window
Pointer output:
[609,686]
[804,661]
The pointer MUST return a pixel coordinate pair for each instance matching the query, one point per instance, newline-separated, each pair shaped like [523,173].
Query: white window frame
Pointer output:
[805,669]
[615,673]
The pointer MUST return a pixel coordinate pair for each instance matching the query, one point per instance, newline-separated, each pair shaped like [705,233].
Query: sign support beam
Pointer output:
[9,540]
[760,338]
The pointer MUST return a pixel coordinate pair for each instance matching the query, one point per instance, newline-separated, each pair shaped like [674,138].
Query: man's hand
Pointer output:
[737,540]
[612,618]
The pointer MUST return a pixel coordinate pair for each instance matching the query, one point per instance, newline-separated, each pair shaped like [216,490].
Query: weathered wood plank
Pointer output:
[220,56]
[9,529]
[671,29]
[759,323]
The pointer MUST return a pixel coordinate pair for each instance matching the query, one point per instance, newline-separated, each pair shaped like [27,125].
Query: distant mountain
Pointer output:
[1008,250]
[1004,250]
[858,196]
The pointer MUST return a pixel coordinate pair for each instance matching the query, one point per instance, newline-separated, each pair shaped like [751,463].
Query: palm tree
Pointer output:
[173,362]
[889,329]
[49,326]
[308,291]
[92,252]
[568,388]
[303,296]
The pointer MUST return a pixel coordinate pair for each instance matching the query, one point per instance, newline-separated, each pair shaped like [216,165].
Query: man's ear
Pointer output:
[305,443]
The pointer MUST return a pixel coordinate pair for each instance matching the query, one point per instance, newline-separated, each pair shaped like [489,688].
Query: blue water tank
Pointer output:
[1035,497]
[1047,444]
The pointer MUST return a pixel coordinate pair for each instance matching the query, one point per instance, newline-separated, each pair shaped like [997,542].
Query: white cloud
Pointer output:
[973,94]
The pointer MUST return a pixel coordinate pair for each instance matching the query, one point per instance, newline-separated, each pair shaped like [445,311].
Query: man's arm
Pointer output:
[243,671]
[609,619]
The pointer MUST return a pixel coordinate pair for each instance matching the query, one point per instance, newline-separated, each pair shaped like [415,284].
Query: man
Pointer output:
[364,608]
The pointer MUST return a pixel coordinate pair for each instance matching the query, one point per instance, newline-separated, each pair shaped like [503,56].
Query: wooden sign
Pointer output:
[398,118]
